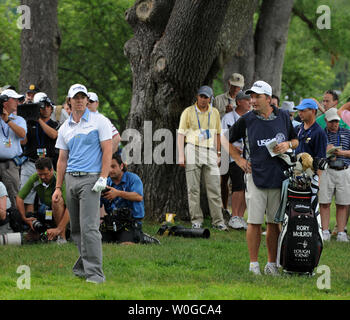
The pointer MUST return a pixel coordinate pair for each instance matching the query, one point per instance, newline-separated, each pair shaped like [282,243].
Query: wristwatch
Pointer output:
[290,145]
[8,120]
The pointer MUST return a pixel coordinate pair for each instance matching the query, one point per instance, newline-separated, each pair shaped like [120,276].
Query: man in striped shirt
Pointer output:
[336,178]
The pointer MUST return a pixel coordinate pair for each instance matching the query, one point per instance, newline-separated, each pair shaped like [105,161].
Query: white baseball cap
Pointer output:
[40,96]
[92,96]
[288,106]
[12,94]
[260,87]
[332,114]
[76,88]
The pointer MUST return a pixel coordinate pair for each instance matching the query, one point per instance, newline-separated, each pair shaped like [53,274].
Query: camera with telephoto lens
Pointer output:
[3,98]
[40,228]
[120,218]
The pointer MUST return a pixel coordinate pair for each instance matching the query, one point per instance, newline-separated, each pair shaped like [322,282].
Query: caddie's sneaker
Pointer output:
[235,223]
[342,237]
[196,225]
[271,269]
[255,268]
[326,235]
[220,226]
[245,225]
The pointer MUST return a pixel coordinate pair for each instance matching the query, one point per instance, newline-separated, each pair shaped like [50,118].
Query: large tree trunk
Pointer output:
[178,46]
[261,53]
[40,45]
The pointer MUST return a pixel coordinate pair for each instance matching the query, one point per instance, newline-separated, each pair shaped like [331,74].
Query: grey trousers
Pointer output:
[84,211]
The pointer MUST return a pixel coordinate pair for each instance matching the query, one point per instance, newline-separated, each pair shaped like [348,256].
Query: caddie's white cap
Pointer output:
[260,87]
[76,88]
[93,96]
[12,94]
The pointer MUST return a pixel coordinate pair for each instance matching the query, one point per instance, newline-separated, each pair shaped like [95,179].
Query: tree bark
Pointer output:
[177,47]
[40,45]
[264,48]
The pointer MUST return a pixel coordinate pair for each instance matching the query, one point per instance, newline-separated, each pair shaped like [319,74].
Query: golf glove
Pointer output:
[100,184]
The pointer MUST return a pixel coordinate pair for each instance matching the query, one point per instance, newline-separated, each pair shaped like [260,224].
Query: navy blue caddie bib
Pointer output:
[267,171]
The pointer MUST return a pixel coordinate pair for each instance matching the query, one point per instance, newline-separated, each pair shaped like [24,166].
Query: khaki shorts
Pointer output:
[335,182]
[260,201]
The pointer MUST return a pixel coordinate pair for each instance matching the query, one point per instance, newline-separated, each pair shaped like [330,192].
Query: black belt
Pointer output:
[339,168]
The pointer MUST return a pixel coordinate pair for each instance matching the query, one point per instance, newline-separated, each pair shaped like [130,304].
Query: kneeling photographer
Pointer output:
[124,207]
[51,217]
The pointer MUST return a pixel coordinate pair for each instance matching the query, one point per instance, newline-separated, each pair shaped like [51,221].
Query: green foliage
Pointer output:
[10,49]
[345,94]
[305,73]
[93,36]
[316,59]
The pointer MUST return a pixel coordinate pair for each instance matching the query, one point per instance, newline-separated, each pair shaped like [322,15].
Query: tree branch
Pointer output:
[313,29]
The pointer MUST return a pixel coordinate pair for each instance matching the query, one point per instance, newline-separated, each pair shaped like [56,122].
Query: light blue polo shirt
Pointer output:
[10,143]
[82,140]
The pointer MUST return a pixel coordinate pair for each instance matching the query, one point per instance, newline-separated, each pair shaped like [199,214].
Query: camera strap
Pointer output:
[6,134]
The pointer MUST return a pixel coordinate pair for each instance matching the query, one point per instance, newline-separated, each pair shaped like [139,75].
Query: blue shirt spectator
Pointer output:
[313,141]
[125,190]
[312,138]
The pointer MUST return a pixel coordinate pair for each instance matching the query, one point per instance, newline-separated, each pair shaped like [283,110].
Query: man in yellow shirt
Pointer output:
[200,127]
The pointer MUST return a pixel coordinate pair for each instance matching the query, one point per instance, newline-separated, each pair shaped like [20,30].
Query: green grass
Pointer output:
[178,269]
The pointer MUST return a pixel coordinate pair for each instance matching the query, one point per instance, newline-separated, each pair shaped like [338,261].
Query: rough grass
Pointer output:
[178,269]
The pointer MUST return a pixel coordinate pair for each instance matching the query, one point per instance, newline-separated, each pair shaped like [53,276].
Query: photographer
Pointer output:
[124,190]
[13,131]
[39,143]
[54,215]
